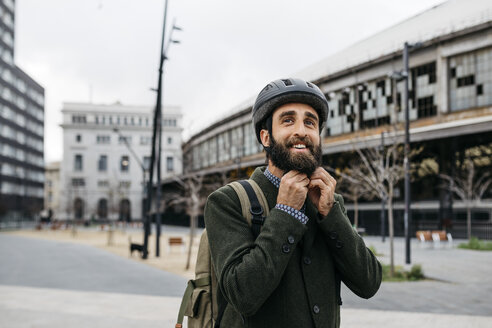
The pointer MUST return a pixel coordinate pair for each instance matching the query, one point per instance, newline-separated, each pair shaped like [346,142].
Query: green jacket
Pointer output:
[286,277]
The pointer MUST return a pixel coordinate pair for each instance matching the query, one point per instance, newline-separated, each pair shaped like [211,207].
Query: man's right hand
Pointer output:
[293,189]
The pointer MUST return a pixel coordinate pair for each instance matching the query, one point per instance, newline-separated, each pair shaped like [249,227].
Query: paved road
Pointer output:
[49,264]
[54,284]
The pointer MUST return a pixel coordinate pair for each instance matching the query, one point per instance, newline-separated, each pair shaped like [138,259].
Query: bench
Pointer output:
[434,236]
[176,241]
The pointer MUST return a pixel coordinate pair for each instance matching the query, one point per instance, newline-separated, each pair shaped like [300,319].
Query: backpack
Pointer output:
[199,301]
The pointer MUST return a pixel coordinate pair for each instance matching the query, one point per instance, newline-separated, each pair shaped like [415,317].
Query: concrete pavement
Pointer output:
[461,281]
[54,284]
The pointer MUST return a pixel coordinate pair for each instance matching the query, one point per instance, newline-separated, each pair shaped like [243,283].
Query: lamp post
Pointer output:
[383,200]
[156,145]
[407,216]
[398,76]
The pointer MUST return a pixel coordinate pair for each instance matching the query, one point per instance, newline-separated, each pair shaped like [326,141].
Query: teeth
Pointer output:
[300,146]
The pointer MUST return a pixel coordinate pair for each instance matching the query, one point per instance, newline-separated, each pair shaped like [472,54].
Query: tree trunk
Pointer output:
[391,234]
[468,221]
[193,219]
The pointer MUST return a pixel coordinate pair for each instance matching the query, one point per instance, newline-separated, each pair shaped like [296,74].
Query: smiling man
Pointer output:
[290,275]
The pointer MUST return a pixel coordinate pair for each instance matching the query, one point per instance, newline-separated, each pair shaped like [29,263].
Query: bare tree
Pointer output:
[351,189]
[378,171]
[469,186]
[193,201]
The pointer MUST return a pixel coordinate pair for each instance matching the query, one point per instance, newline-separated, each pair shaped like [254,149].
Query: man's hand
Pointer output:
[293,189]
[322,190]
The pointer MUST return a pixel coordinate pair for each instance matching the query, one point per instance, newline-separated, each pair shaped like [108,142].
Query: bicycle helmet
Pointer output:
[284,91]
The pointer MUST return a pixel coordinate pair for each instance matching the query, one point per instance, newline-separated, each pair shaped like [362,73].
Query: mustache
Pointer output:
[295,140]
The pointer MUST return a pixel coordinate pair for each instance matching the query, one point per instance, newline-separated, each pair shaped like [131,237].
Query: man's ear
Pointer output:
[265,138]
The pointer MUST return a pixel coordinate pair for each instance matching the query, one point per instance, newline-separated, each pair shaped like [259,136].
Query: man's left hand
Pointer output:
[322,190]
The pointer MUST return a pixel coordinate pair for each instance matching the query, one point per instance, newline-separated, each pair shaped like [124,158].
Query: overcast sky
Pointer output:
[108,50]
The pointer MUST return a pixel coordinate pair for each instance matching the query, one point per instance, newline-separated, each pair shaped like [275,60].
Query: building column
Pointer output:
[442,74]
[447,151]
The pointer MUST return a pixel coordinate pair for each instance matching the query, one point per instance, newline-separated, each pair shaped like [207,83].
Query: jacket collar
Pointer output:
[271,192]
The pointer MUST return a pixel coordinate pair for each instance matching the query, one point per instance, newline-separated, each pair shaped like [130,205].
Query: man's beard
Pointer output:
[286,160]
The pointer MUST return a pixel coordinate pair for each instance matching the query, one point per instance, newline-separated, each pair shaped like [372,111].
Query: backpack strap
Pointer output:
[254,205]
[192,284]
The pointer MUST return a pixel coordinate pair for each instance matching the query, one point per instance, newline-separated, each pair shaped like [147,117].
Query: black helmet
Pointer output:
[284,91]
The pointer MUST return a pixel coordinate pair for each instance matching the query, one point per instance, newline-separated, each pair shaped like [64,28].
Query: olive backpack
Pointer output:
[202,303]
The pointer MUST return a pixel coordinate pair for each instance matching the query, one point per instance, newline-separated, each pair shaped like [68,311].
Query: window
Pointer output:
[169,164]
[103,139]
[78,163]
[465,81]
[122,139]
[103,183]
[170,122]
[102,164]
[125,184]
[169,140]
[144,140]
[146,162]
[78,182]
[78,138]
[81,119]
[124,164]
[102,208]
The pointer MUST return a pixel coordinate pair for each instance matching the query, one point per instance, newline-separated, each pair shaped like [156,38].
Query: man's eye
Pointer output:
[310,122]
[288,120]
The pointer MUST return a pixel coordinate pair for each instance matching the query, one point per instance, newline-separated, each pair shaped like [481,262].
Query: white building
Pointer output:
[52,190]
[100,176]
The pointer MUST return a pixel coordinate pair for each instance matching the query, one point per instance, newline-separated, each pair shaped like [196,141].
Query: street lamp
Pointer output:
[398,76]
[156,141]
[383,200]
[407,216]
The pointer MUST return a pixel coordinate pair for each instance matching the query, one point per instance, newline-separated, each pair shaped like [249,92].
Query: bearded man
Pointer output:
[290,275]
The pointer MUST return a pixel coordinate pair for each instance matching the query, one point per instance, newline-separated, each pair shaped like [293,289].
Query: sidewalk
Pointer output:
[458,295]
[22,307]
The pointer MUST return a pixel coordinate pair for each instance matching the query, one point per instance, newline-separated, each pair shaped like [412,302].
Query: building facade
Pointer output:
[450,106]
[21,130]
[104,148]
[52,191]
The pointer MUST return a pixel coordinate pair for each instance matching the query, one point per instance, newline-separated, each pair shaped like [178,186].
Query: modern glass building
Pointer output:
[21,130]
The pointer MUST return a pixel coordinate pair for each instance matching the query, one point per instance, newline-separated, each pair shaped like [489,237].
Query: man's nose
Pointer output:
[300,129]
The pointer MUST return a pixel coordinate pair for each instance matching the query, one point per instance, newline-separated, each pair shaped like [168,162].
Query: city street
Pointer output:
[53,284]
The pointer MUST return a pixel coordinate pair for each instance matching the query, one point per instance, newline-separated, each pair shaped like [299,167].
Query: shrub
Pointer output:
[476,244]
[415,273]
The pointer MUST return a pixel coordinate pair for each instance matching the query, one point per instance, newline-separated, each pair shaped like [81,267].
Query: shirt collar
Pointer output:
[272,178]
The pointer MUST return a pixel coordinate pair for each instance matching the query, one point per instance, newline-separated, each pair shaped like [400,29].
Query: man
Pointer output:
[289,276]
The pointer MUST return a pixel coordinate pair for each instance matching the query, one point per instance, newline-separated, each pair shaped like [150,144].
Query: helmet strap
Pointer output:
[269,129]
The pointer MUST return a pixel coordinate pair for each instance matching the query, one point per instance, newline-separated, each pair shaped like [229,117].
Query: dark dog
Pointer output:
[135,247]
